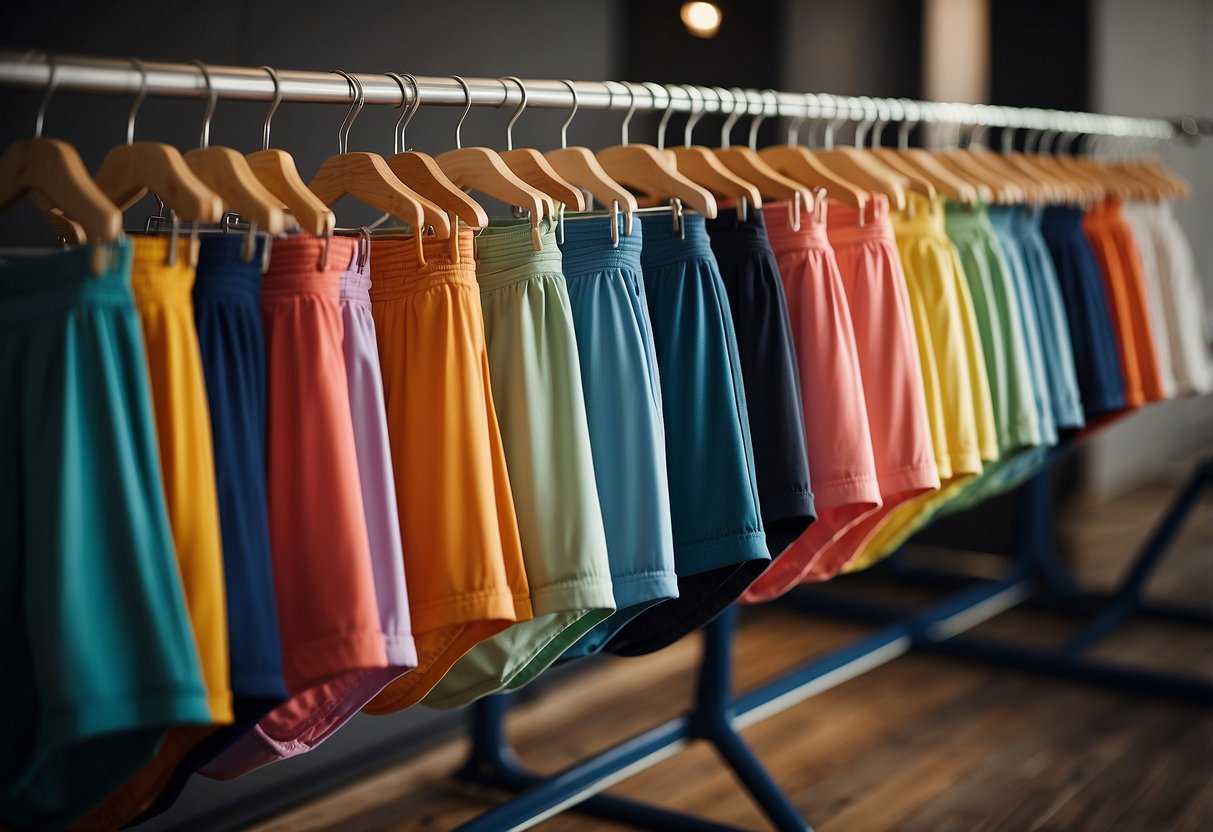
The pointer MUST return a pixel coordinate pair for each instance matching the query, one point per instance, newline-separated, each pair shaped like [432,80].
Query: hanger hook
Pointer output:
[509,128]
[212,99]
[269,117]
[51,83]
[884,113]
[726,129]
[411,106]
[467,108]
[911,115]
[564,127]
[139,96]
[697,112]
[654,89]
[359,96]
[627,119]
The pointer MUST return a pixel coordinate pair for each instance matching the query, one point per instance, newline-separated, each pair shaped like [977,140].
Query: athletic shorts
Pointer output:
[955,381]
[893,386]
[462,556]
[719,544]
[227,314]
[163,294]
[99,650]
[536,377]
[1137,217]
[999,320]
[1016,467]
[839,442]
[1051,316]
[622,391]
[1092,331]
[768,369]
[333,648]
[1120,262]
[1184,302]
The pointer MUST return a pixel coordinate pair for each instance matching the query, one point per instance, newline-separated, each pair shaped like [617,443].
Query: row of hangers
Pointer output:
[430,193]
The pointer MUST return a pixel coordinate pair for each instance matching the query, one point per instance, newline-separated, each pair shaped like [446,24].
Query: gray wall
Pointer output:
[1158,60]
[527,38]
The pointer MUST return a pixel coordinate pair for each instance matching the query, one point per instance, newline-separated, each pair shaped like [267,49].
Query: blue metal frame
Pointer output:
[1037,577]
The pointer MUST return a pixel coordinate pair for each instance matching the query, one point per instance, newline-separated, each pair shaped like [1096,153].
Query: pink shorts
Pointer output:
[841,461]
[892,373]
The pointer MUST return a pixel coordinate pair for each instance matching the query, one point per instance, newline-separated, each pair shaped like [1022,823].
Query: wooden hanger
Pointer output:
[533,168]
[131,170]
[857,165]
[877,114]
[276,170]
[482,169]
[799,163]
[1037,189]
[366,177]
[421,172]
[642,168]
[227,174]
[1064,188]
[744,160]
[700,164]
[52,171]
[579,166]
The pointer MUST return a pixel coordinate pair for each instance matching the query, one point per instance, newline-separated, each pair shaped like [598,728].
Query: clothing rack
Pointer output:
[110,76]
[1037,577]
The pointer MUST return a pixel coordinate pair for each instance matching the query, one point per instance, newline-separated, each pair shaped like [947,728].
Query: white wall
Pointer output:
[1157,59]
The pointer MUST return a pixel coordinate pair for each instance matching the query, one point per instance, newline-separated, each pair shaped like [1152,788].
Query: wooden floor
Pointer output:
[920,744]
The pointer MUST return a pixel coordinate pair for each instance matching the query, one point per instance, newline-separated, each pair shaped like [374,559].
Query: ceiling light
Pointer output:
[701,19]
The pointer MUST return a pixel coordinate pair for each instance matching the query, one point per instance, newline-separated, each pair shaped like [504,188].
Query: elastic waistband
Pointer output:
[813,231]
[42,284]
[296,266]
[153,278]
[398,273]
[729,234]
[222,271]
[959,215]
[1005,217]
[849,226]
[664,245]
[505,253]
[586,247]
[356,280]
[922,217]
[1063,217]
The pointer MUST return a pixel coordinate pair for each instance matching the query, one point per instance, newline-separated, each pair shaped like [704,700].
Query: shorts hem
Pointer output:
[730,550]
[466,608]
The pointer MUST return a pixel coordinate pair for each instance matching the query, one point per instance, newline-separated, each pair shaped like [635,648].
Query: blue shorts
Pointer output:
[623,405]
[227,313]
[1092,333]
[719,544]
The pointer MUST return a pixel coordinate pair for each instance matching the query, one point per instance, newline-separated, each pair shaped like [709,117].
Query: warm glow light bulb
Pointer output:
[701,19]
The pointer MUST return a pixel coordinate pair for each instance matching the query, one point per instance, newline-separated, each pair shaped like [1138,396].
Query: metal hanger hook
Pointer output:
[343,134]
[726,129]
[653,89]
[139,96]
[212,100]
[868,116]
[763,114]
[51,83]
[698,109]
[509,128]
[912,115]
[407,108]
[467,108]
[269,117]
[564,127]
[627,119]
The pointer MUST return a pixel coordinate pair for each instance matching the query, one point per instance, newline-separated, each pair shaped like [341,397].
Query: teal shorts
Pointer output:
[99,658]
